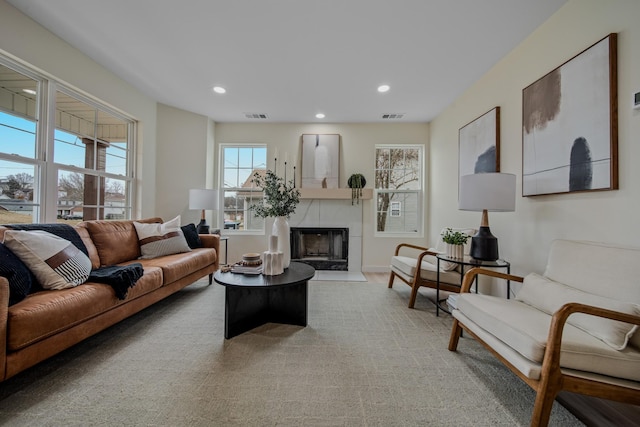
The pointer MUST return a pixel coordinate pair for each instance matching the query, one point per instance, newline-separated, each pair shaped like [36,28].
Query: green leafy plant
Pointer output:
[356,182]
[454,237]
[280,197]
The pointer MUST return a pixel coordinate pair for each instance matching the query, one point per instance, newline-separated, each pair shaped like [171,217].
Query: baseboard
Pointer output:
[376,269]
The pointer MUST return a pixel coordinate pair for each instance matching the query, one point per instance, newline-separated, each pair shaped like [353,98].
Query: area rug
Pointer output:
[365,359]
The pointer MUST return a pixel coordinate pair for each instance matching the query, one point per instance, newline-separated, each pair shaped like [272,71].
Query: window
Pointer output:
[398,189]
[20,169]
[239,163]
[90,152]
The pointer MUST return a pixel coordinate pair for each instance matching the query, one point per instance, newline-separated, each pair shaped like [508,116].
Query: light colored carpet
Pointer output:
[364,360]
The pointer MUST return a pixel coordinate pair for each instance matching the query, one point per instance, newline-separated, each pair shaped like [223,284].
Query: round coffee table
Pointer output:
[253,300]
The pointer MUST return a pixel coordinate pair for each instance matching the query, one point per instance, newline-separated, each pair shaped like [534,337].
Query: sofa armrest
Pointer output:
[212,241]
[4,316]
[470,276]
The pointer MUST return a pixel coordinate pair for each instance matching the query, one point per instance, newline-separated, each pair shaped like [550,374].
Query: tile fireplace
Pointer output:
[344,241]
[324,248]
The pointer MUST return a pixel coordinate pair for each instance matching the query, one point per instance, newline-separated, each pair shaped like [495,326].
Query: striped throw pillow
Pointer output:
[161,239]
[55,262]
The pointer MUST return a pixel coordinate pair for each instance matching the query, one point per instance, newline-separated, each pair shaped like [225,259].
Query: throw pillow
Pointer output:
[161,239]
[191,234]
[16,273]
[55,262]
[548,296]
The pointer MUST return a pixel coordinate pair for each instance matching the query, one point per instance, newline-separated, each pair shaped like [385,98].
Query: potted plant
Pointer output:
[455,241]
[280,201]
[356,182]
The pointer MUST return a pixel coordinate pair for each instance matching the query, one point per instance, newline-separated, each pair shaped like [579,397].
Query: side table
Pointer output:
[225,239]
[467,261]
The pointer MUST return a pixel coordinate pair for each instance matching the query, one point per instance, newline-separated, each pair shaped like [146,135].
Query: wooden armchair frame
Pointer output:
[417,281]
[552,380]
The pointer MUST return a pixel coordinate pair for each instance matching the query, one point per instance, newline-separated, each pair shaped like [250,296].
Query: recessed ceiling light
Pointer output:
[219,89]
[383,88]
[29,91]
[319,116]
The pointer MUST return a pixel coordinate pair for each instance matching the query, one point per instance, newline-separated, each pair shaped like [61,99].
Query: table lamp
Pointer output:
[203,199]
[487,192]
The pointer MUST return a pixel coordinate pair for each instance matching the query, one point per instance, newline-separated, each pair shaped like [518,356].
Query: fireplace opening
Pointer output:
[321,248]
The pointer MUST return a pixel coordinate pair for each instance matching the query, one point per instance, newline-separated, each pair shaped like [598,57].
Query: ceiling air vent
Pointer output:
[255,116]
[393,116]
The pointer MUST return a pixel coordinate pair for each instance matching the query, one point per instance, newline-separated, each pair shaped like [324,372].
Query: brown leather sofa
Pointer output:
[49,321]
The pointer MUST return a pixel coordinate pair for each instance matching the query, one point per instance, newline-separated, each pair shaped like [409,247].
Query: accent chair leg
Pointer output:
[392,276]
[542,408]
[414,294]
[210,278]
[456,333]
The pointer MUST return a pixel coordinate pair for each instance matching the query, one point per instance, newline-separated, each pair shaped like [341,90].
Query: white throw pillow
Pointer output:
[57,263]
[548,296]
[161,239]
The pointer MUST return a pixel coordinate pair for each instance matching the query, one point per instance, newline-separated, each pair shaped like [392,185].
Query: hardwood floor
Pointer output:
[377,277]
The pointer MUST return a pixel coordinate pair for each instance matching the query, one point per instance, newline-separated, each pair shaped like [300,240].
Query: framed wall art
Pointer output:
[570,125]
[320,160]
[479,144]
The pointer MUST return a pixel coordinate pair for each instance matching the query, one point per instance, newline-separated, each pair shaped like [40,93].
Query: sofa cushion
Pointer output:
[115,241]
[44,314]
[161,239]
[525,329]
[55,262]
[176,266]
[548,296]
[17,274]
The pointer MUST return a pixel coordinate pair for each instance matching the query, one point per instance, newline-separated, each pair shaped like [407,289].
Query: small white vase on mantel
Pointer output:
[281,229]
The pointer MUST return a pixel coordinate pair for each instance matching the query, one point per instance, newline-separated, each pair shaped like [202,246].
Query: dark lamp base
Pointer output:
[202,227]
[484,245]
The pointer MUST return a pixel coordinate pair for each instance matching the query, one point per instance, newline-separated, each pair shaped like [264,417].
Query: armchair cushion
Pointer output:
[526,330]
[548,296]
[428,269]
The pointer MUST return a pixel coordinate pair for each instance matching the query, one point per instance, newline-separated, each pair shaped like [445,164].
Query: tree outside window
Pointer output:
[398,189]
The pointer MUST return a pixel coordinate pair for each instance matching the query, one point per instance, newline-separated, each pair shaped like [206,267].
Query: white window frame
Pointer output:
[223,188]
[45,199]
[420,194]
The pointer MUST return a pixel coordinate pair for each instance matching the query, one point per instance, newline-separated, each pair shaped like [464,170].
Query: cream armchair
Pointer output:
[407,257]
[573,328]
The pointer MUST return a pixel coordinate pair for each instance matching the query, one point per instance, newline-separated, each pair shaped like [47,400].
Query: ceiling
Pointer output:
[290,59]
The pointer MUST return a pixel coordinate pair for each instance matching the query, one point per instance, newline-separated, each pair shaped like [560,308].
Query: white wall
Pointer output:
[525,235]
[182,162]
[356,155]
[24,39]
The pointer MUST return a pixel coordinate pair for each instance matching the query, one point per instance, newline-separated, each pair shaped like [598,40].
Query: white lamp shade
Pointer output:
[495,192]
[203,199]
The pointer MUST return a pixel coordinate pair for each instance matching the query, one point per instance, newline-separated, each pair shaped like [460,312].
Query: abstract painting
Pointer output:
[479,141]
[569,125]
[320,160]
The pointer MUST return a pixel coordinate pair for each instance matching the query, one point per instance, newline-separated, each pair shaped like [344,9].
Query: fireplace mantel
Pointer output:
[333,193]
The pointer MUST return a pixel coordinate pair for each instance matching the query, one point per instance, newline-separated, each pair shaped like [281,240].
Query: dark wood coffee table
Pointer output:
[253,300]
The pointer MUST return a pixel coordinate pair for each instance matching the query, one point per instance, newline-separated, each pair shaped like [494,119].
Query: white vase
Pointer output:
[455,251]
[281,229]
